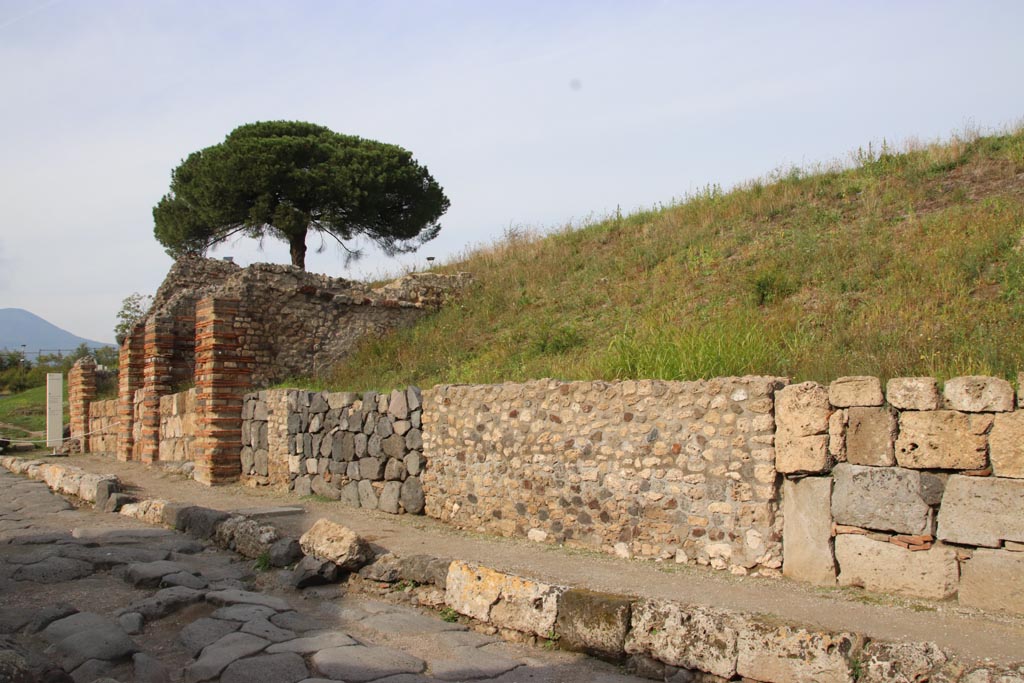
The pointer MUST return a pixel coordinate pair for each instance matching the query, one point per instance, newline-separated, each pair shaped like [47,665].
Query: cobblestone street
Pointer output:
[87,596]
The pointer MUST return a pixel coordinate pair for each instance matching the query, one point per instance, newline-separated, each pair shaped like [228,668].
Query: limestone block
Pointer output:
[982,511]
[902,663]
[687,636]
[795,454]
[978,394]
[913,393]
[943,439]
[887,568]
[882,498]
[993,579]
[807,531]
[331,541]
[785,654]
[847,392]
[837,424]
[803,409]
[504,600]
[592,622]
[871,436]
[1006,445]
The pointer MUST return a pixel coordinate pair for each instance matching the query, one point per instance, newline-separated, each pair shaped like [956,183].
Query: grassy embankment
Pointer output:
[26,412]
[904,264]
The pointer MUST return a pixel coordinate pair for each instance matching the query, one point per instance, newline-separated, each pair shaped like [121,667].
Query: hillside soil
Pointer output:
[971,633]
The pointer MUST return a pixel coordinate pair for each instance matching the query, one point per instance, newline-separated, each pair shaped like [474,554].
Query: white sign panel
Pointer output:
[54,409]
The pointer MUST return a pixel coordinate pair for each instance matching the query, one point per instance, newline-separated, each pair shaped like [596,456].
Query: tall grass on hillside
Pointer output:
[903,264]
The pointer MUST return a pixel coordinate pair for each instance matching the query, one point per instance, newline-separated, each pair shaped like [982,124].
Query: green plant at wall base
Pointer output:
[262,563]
[856,668]
[551,639]
[449,615]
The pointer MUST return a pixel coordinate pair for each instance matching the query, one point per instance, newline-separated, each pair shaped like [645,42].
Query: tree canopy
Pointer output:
[284,179]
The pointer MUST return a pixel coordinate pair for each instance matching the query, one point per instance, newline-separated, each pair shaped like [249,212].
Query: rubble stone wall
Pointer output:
[915,491]
[682,470]
[103,422]
[362,449]
[179,427]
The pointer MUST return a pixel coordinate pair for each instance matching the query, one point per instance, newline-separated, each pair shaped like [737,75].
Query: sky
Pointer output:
[529,114]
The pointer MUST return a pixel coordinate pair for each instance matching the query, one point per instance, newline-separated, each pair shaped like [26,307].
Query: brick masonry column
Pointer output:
[129,380]
[223,375]
[81,392]
[157,351]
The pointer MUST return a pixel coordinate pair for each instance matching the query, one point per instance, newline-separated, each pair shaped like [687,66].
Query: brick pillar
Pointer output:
[81,392]
[157,351]
[223,375]
[129,380]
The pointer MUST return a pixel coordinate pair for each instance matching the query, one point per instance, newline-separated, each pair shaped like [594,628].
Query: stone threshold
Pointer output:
[656,638]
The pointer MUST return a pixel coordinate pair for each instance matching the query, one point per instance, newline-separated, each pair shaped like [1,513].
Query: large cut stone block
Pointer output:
[887,568]
[803,409]
[870,436]
[807,532]
[913,393]
[943,439]
[847,392]
[993,579]
[687,636]
[982,511]
[594,623]
[1006,445]
[331,541]
[785,654]
[883,498]
[504,600]
[977,394]
[801,454]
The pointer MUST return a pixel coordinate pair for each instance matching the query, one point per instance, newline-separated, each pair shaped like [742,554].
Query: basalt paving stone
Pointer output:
[244,613]
[311,644]
[285,667]
[265,629]
[148,669]
[105,557]
[465,663]
[297,621]
[82,621]
[48,615]
[16,555]
[165,601]
[359,663]
[13,619]
[233,597]
[108,642]
[217,656]
[186,579]
[204,631]
[53,570]
[149,574]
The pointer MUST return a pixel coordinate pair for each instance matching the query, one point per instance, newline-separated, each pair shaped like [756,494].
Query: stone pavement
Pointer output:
[87,596]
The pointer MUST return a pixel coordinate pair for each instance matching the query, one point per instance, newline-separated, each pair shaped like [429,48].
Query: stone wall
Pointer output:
[362,449]
[179,426]
[102,427]
[680,470]
[916,492]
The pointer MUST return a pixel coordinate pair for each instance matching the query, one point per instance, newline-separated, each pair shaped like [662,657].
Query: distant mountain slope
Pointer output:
[18,327]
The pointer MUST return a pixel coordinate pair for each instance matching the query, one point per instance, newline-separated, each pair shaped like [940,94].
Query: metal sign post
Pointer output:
[54,409]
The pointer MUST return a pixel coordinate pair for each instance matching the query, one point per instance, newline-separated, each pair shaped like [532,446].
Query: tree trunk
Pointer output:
[297,246]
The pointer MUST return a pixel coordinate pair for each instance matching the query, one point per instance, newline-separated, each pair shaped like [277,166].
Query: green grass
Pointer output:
[892,265]
[27,410]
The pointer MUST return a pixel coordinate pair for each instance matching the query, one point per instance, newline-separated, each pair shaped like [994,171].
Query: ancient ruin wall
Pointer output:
[916,492]
[102,427]
[682,470]
[362,449]
[179,427]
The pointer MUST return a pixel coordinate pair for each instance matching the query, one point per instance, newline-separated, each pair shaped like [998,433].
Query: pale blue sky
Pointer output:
[100,99]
